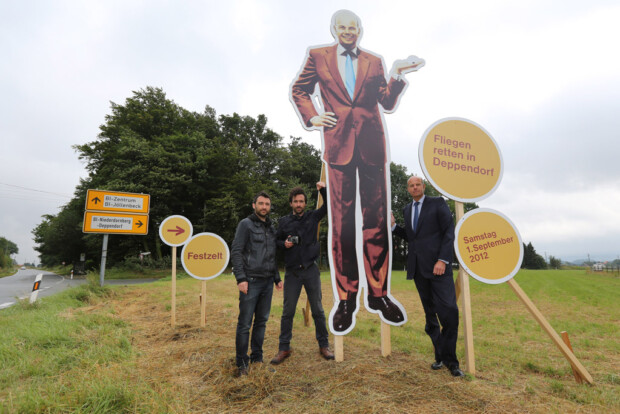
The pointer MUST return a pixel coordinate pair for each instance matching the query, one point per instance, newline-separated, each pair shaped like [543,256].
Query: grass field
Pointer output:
[115,273]
[8,271]
[112,350]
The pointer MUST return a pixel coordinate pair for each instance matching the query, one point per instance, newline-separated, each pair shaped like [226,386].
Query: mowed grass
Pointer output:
[113,350]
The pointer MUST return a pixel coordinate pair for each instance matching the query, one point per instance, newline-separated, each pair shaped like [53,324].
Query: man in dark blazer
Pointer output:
[429,231]
[353,92]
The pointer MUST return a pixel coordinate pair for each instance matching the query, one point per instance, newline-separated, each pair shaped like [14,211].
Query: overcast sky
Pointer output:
[542,77]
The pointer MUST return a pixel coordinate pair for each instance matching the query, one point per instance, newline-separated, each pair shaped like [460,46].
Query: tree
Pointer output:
[554,262]
[531,259]
[204,167]
[7,248]
[400,198]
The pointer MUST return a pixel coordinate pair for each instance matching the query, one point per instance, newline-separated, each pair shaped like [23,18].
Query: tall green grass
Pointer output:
[8,271]
[56,358]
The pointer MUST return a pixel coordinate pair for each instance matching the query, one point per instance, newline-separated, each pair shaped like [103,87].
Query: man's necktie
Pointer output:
[416,214]
[349,75]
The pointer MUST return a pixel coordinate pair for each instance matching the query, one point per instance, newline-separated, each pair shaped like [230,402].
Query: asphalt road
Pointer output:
[19,286]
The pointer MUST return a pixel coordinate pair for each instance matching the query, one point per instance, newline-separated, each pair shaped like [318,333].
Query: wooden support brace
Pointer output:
[339,347]
[567,342]
[203,303]
[386,340]
[462,289]
[173,296]
[470,360]
[307,313]
[568,354]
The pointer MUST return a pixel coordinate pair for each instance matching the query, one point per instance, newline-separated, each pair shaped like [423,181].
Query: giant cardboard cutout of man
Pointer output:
[342,91]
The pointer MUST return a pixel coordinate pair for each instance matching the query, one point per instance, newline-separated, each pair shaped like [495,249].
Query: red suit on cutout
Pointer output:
[353,149]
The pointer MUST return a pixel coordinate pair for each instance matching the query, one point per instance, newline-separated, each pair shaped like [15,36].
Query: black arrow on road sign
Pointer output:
[96,200]
[140,224]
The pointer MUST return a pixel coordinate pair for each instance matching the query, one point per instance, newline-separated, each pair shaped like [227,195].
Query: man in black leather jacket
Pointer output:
[253,255]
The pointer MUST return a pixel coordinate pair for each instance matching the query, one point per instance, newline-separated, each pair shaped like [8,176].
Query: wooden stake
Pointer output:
[173,297]
[568,354]
[463,287]
[319,202]
[203,304]
[470,361]
[386,340]
[339,347]
[567,342]
[307,313]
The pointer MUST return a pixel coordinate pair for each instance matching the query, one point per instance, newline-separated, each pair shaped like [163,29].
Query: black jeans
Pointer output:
[255,304]
[310,279]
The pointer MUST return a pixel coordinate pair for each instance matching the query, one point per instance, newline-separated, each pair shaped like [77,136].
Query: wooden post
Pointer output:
[203,303]
[306,311]
[319,202]
[568,354]
[463,287]
[339,347]
[386,340]
[173,298]
[567,342]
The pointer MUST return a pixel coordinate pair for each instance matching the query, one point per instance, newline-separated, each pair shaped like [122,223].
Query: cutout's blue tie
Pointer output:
[416,214]
[349,75]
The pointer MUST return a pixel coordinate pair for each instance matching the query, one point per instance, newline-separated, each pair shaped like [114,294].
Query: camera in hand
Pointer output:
[293,239]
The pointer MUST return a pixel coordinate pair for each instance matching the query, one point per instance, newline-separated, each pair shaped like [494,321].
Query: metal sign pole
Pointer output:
[104,253]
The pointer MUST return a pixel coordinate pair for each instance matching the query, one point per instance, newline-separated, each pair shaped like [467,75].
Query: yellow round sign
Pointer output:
[460,159]
[205,256]
[175,230]
[488,246]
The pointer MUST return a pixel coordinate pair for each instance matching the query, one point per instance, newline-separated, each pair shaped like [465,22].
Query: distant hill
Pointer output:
[582,262]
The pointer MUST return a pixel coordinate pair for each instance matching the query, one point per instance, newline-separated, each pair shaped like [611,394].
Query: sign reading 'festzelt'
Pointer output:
[205,256]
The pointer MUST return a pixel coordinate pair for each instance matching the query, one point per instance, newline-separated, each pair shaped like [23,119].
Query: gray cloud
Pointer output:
[540,76]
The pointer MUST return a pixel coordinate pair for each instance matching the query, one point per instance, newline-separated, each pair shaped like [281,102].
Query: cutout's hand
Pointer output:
[411,64]
[324,120]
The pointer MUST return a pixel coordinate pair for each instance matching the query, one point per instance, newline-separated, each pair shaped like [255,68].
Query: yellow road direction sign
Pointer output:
[102,200]
[115,223]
